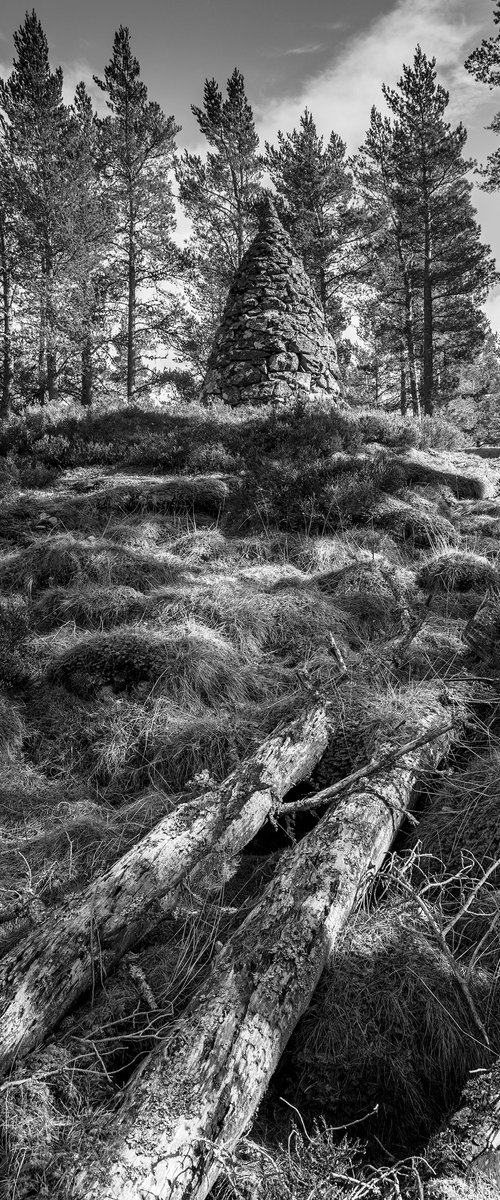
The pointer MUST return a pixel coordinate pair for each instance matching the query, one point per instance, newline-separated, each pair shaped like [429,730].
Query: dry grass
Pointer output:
[463,820]
[12,730]
[452,570]
[290,617]
[90,607]
[198,645]
[312,1165]
[187,661]
[482,632]
[465,479]
[61,559]
[62,844]
[390,1035]
[375,593]
[418,524]
[437,650]
[60,1097]
[171,747]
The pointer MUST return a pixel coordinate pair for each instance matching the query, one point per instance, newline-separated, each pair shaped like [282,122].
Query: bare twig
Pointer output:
[440,933]
[470,898]
[372,768]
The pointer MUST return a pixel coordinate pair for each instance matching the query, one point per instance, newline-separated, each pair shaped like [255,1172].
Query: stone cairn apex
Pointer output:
[272,346]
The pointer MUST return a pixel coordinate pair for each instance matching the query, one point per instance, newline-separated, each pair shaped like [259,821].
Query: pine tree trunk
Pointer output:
[42,338]
[428,335]
[131,361]
[80,942]
[192,1099]
[323,295]
[409,330]
[51,371]
[87,377]
[403,395]
[7,374]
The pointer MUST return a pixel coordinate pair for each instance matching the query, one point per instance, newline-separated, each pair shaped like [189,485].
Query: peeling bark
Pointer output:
[198,1092]
[77,945]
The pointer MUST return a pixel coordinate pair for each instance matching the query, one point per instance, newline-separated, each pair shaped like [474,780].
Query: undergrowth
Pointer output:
[175,587]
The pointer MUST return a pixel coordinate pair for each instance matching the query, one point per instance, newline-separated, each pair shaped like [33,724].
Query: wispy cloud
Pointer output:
[310,48]
[342,94]
[76,71]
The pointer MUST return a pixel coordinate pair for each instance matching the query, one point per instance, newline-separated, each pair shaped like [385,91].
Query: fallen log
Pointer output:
[195,1095]
[76,945]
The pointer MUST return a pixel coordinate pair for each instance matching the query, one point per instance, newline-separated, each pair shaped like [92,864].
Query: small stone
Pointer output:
[283,362]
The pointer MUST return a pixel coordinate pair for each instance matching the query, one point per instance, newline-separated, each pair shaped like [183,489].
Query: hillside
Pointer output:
[162,615]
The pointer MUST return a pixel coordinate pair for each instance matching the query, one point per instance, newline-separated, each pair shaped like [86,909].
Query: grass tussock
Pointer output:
[437,650]
[173,747]
[417,524]
[187,660]
[91,607]
[463,820]
[466,481]
[182,494]
[12,730]
[288,617]
[458,570]
[62,559]
[390,1036]
[60,846]
[372,591]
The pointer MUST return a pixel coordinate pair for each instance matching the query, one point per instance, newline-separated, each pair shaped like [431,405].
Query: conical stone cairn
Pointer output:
[272,346]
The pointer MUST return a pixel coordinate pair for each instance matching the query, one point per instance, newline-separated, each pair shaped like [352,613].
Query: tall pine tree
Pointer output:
[484,64]
[138,144]
[445,270]
[35,127]
[314,189]
[218,194]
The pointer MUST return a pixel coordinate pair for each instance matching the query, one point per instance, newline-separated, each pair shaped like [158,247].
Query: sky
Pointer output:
[329,55]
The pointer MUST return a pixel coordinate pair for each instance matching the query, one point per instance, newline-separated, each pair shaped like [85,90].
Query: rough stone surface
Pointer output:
[272,346]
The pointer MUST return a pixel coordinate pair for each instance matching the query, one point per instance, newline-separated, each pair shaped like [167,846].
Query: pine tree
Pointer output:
[218,196]
[138,143]
[386,256]
[445,271]
[93,282]
[34,125]
[484,65]
[7,276]
[314,190]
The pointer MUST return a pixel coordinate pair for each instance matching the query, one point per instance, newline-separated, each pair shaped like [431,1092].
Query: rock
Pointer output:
[272,345]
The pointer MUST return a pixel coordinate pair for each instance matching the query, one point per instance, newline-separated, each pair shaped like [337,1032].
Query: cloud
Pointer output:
[79,70]
[311,48]
[492,310]
[341,95]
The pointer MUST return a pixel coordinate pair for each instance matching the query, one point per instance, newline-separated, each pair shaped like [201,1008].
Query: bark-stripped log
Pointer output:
[76,945]
[198,1092]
